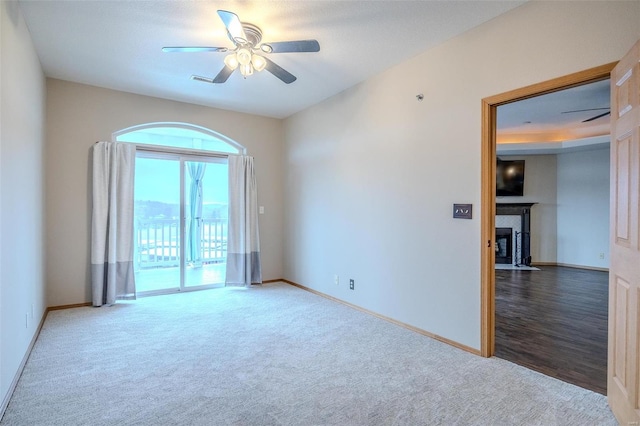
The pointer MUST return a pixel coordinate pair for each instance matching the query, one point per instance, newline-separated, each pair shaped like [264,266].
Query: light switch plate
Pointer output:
[462,211]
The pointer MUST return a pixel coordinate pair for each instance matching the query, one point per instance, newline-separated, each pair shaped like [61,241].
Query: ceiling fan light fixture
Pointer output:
[258,62]
[244,56]
[231,61]
[246,69]
[247,55]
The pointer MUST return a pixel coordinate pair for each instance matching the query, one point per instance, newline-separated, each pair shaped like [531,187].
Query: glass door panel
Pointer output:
[205,212]
[157,224]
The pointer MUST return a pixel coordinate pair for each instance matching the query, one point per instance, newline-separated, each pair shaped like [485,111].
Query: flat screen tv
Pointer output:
[510,178]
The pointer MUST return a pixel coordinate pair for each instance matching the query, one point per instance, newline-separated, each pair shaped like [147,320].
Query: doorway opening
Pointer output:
[489,154]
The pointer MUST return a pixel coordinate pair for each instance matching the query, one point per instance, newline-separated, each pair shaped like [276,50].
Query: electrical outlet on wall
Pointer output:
[352,284]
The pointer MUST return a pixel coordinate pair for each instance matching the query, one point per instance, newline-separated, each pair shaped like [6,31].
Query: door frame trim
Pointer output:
[488,183]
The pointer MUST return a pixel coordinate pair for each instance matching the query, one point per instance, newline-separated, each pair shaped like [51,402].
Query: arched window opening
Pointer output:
[181,199]
[179,135]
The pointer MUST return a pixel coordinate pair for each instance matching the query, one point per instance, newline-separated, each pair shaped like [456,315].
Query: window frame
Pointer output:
[186,151]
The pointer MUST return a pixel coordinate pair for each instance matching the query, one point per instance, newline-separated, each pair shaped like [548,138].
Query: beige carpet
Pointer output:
[272,355]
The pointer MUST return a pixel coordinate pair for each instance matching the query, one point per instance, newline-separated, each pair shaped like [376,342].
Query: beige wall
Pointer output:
[79,115]
[22,287]
[583,208]
[371,173]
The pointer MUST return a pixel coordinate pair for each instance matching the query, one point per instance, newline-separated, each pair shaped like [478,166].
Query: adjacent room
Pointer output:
[308,197]
[552,263]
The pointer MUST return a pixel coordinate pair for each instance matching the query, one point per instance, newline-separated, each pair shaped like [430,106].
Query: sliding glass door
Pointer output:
[157,223]
[181,222]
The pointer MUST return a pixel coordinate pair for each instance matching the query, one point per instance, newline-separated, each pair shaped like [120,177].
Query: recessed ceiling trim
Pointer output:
[561,147]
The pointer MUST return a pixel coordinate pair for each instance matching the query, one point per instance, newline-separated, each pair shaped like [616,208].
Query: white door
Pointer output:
[623,384]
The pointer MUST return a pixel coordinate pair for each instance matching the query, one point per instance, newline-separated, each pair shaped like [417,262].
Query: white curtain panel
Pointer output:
[243,239]
[112,223]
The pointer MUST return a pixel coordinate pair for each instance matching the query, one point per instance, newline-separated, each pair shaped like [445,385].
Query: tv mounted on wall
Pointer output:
[510,178]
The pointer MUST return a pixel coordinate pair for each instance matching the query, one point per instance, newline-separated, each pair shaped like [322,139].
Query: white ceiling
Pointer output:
[117,44]
[554,122]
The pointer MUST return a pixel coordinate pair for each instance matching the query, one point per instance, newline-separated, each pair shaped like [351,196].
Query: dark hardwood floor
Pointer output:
[555,321]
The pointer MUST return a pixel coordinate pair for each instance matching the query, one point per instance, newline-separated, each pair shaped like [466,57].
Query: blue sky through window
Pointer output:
[159,180]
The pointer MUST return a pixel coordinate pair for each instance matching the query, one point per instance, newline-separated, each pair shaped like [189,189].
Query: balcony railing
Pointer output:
[158,243]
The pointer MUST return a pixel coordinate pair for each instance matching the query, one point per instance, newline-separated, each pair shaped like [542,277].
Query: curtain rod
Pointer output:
[171,150]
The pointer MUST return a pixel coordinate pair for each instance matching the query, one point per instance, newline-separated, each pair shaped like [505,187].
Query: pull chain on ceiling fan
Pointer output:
[248,53]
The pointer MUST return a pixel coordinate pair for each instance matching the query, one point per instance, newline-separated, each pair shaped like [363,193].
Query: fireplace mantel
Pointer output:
[512,208]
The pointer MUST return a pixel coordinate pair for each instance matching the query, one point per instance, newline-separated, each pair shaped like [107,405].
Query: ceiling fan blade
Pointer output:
[293,46]
[223,75]
[193,49]
[583,110]
[202,79]
[596,117]
[279,72]
[234,26]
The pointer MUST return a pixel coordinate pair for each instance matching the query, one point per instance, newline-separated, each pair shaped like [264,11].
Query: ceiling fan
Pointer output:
[248,53]
[595,117]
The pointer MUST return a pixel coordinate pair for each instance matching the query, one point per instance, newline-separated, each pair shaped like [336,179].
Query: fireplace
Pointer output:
[516,218]
[504,248]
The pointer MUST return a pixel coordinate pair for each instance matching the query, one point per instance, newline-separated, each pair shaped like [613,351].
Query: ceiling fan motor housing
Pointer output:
[253,33]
